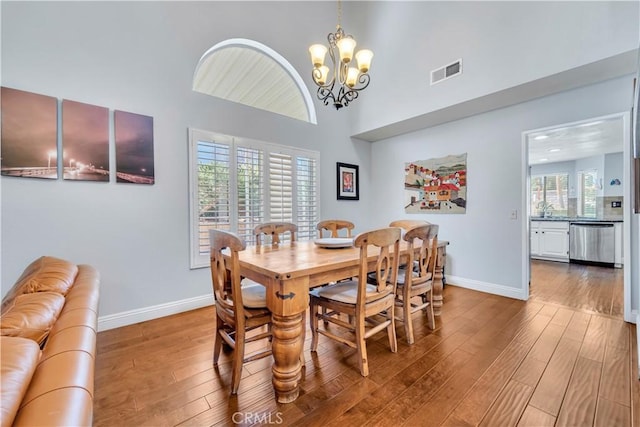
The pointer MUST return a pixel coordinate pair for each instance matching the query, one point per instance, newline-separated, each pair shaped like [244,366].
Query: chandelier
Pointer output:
[340,84]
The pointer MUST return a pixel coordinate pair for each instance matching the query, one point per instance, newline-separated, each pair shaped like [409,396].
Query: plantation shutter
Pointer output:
[213,160]
[307,197]
[236,184]
[251,197]
[280,187]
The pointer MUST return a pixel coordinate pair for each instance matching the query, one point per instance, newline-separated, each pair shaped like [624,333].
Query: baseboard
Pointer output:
[126,318]
[490,288]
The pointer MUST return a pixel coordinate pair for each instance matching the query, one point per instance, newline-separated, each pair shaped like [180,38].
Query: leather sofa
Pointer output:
[48,328]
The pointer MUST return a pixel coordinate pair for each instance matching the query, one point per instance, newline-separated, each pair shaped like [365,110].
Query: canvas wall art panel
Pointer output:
[85,142]
[29,134]
[436,185]
[134,148]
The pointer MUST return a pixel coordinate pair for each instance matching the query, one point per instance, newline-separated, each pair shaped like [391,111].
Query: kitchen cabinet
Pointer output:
[550,240]
[618,245]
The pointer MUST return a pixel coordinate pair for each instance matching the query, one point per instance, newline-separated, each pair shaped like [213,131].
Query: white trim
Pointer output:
[490,288]
[626,216]
[143,314]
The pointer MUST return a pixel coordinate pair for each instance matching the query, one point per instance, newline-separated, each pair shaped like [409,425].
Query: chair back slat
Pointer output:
[407,224]
[423,243]
[225,274]
[275,229]
[387,261]
[334,226]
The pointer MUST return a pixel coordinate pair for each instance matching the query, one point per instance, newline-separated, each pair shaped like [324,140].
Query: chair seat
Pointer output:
[402,276]
[254,295]
[345,292]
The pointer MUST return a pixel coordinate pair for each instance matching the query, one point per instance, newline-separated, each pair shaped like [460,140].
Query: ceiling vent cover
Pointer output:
[446,72]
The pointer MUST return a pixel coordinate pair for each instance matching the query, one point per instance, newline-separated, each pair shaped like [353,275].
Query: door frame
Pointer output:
[629,315]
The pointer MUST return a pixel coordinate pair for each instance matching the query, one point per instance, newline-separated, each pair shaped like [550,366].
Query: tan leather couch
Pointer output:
[48,325]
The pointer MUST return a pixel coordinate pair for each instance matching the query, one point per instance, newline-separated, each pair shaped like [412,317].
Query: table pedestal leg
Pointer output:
[437,290]
[287,347]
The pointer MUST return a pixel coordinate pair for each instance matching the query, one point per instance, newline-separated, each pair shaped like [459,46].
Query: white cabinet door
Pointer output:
[535,238]
[554,243]
[618,245]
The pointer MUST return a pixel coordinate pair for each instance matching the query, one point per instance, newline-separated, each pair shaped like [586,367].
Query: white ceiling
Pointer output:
[587,139]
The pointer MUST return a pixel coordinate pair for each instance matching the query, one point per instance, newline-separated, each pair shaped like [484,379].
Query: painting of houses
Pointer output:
[436,185]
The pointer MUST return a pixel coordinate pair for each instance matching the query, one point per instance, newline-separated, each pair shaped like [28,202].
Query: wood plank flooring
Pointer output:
[583,287]
[491,361]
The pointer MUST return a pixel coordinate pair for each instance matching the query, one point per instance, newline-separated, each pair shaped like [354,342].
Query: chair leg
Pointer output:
[391,330]
[217,346]
[406,319]
[238,360]
[313,323]
[362,346]
[432,319]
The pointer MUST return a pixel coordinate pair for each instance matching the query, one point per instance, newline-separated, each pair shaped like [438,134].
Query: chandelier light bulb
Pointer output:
[318,53]
[324,72]
[364,60]
[352,76]
[346,45]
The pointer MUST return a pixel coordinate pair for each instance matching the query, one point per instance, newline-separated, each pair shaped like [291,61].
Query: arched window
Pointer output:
[250,73]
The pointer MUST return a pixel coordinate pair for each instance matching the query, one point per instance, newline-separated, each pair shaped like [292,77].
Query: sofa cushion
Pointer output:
[18,362]
[46,274]
[32,316]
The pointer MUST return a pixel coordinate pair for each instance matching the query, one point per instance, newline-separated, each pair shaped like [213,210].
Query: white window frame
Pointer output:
[581,196]
[199,259]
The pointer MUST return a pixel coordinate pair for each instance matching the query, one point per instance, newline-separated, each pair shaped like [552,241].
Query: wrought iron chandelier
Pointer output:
[343,77]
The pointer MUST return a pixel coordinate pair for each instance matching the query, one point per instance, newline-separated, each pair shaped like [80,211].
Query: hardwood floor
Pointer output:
[491,361]
[588,288]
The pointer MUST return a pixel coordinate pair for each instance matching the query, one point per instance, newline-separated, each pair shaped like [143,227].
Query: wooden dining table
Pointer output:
[288,271]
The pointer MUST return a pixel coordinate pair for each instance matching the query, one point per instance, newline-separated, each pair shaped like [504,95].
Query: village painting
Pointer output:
[436,185]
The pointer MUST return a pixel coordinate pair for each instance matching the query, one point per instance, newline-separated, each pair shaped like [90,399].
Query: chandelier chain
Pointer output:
[339,15]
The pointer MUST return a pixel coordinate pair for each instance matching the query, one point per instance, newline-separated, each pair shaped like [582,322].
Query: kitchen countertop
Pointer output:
[576,219]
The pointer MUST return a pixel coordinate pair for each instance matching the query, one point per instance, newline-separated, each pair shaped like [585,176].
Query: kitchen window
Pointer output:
[237,183]
[587,193]
[549,195]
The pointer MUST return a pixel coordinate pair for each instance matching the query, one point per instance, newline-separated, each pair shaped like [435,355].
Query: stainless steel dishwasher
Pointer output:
[592,242]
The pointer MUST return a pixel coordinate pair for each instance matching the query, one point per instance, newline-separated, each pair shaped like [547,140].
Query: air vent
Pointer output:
[446,72]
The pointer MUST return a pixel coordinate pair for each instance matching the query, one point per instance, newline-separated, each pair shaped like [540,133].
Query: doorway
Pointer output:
[577,172]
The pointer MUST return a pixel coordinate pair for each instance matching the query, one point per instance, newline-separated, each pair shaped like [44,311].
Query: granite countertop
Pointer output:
[576,219]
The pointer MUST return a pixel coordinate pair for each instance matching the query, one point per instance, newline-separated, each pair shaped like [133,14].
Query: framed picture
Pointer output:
[85,142]
[29,134]
[348,182]
[134,148]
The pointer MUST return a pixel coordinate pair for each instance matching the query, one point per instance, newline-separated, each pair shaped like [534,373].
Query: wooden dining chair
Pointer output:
[370,306]
[241,311]
[275,230]
[334,226]
[422,248]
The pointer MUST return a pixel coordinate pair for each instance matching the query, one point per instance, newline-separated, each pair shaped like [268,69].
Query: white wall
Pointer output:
[486,248]
[140,57]
[613,170]
[502,44]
